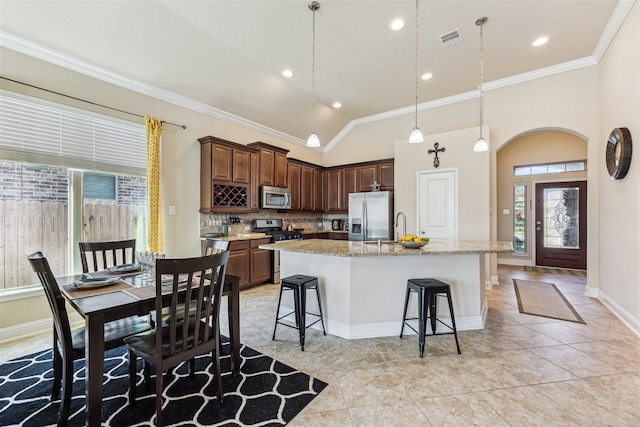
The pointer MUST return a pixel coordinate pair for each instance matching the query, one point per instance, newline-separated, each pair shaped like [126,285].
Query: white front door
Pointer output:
[437,204]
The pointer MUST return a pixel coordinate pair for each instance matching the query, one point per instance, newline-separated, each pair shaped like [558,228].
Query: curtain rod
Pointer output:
[88,102]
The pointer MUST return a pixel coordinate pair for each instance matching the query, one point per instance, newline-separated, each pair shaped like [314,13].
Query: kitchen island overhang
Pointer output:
[363,284]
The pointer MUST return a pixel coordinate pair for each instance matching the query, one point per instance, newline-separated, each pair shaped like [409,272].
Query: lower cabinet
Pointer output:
[261,262]
[338,236]
[239,262]
[251,264]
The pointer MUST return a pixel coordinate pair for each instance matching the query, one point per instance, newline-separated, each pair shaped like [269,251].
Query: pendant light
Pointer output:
[313,140]
[416,135]
[481,144]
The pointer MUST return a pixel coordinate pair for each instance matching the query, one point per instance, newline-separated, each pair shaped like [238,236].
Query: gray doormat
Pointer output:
[544,299]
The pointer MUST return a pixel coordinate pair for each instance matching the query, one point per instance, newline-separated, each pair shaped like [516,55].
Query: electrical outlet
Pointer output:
[247,228]
[487,285]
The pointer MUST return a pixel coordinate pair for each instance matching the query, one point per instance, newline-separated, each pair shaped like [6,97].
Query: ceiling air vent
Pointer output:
[451,38]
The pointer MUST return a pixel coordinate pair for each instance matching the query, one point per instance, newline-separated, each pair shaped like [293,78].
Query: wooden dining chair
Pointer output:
[96,256]
[211,246]
[183,336]
[68,344]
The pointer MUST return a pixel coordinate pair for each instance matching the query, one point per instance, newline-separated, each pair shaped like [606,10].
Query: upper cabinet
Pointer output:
[225,176]
[333,190]
[306,185]
[380,171]
[340,181]
[273,164]
[231,175]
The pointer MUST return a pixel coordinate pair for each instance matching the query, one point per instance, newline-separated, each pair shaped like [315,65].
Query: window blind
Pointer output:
[39,131]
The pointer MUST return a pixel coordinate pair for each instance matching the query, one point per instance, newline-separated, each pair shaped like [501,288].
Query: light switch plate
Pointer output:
[172,210]
[505,211]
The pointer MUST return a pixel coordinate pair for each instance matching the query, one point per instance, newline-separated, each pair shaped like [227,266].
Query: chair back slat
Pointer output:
[184,331]
[97,256]
[56,301]
[212,246]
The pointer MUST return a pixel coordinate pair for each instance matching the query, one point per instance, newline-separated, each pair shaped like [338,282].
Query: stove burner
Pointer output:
[279,236]
[273,227]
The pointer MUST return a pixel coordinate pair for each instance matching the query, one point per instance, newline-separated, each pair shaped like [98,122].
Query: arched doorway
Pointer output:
[537,173]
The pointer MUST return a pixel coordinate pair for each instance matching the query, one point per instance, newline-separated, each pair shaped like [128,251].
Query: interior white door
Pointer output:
[437,204]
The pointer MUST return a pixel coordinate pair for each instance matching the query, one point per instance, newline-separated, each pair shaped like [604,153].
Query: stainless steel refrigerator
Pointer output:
[371,216]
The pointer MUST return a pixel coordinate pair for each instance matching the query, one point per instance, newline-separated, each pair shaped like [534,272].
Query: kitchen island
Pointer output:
[363,285]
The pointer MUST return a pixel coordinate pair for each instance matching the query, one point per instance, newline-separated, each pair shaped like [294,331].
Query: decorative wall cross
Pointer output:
[436,150]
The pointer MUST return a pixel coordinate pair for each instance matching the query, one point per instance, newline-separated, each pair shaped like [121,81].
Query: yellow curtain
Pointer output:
[154,196]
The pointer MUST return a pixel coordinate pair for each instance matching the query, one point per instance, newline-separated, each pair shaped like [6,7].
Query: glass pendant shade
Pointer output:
[480,145]
[313,140]
[416,136]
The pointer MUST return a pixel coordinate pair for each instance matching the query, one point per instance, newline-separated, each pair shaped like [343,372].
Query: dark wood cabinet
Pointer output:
[273,164]
[333,189]
[380,172]
[261,261]
[225,176]
[293,178]
[280,168]
[222,163]
[250,263]
[254,202]
[349,184]
[385,175]
[239,262]
[241,166]
[231,176]
[338,236]
[318,190]
[368,174]
[306,188]
[306,185]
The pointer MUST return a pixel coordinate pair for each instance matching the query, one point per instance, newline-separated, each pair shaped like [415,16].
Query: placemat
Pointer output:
[75,293]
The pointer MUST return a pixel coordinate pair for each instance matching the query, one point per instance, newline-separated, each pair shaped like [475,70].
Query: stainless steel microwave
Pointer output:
[275,198]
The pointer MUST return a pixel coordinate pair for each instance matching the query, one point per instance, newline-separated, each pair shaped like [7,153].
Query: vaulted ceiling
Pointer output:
[228,55]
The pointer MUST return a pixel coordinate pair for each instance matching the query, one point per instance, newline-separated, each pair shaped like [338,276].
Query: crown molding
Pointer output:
[615,22]
[29,48]
[51,56]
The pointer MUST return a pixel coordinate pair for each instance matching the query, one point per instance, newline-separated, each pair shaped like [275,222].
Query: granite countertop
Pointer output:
[252,235]
[236,237]
[353,249]
[321,230]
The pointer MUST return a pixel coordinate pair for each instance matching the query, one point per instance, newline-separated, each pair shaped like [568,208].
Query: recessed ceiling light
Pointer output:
[540,41]
[426,76]
[396,24]
[287,73]
[337,104]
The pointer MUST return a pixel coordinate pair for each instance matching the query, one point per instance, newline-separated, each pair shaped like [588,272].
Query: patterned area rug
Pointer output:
[544,299]
[266,392]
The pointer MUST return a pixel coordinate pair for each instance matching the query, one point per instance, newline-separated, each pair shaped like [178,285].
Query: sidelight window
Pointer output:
[520,218]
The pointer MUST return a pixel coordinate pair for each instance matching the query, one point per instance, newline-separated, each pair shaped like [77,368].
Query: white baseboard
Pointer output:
[23,330]
[35,327]
[622,314]
[511,261]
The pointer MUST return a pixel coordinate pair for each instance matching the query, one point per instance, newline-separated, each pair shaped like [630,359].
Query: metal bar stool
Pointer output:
[299,284]
[428,291]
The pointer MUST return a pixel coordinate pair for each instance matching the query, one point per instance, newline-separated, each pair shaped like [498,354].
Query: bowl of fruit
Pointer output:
[412,241]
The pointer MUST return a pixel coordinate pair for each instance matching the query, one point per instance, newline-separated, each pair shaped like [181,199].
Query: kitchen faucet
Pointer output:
[404,222]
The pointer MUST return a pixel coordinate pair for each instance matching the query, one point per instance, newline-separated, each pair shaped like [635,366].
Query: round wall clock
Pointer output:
[618,153]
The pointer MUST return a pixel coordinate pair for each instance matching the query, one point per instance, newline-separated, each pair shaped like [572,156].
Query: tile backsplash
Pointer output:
[212,223]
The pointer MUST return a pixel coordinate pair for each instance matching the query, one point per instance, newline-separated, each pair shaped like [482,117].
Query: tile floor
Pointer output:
[521,370]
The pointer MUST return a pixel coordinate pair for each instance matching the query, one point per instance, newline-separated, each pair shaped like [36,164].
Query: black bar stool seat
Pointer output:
[428,291]
[299,284]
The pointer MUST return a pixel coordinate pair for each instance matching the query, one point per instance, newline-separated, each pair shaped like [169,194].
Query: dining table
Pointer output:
[130,295]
